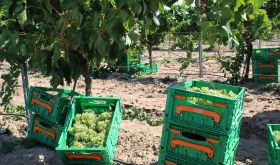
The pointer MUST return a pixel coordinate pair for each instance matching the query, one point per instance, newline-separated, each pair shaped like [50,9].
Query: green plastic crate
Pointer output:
[266,53]
[203,146]
[273,147]
[50,103]
[220,117]
[145,68]
[131,63]
[135,59]
[265,79]
[175,159]
[94,156]
[44,131]
[266,66]
[132,59]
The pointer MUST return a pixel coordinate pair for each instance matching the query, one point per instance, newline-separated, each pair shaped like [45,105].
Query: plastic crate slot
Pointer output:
[220,105]
[214,115]
[169,163]
[49,107]
[261,66]
[177,142]
[213,141]
[193,136]
[83,156]
[180,97]
[39,129]
[267,78]
[175,131]
[35,93]
[271,53]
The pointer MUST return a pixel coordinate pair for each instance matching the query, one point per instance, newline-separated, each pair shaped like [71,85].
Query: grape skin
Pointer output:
[217,92]
[277,136]
[89,129]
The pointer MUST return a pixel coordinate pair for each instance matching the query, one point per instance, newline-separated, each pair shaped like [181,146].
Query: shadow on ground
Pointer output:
[253,142]
[24,151]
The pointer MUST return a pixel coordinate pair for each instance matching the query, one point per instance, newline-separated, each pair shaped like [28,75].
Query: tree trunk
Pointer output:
[150,57]
[25,85]
[88,79]
[249,49]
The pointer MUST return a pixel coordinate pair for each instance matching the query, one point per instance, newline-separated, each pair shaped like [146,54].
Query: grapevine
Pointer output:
[89,129]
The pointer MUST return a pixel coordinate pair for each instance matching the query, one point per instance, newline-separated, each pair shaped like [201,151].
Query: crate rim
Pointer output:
[243,90]
[96,97]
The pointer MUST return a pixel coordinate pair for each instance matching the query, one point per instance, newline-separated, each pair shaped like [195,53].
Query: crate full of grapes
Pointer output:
[209,106]
[273,133]
[91,131]
[50,103]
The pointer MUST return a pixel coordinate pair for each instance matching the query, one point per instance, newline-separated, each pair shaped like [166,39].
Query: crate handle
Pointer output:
[43,97]
[180,97]
[267,78]
[39,129]
[175,131]
[169,163]
[261,66]
[271,53]
[214,115]
[82,156]
[209,140]
[49,107]
[208,150]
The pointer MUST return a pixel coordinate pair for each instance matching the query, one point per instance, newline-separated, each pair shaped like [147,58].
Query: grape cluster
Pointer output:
[217,92]
[277,136]
[89,129]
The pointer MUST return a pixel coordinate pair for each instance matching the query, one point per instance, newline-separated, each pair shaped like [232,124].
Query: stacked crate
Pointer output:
[199,134]
[273,145]
[132,63]
[266,64]
[48,108]
[103,155]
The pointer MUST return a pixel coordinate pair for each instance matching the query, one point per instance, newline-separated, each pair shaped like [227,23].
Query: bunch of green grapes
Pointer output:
[206,90]
[277,136]
[89,129]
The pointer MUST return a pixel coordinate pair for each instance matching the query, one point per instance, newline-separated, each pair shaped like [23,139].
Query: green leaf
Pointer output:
[133,36]
[100,45]
[70,4]
[22,18]
[124,15]
[56,55]
[189,2]
[238,4]
[110,25]
[226,15]
[257,3]
[48,6]
[154,5]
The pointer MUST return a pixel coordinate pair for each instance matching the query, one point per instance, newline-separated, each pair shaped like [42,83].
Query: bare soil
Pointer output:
[139,142]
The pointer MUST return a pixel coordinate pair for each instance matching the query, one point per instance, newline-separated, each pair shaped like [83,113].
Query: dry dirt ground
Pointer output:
[138,141]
